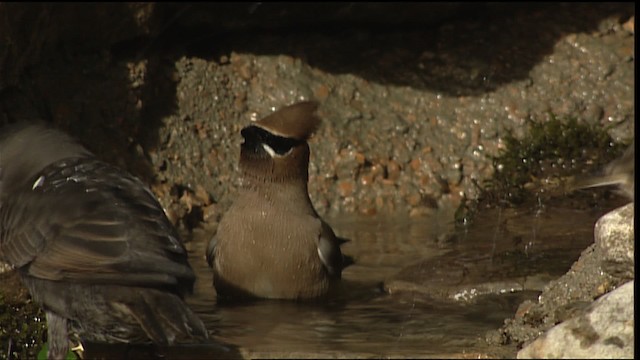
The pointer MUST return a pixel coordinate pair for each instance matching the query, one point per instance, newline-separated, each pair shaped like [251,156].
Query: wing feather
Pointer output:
[87,220]
[329,251]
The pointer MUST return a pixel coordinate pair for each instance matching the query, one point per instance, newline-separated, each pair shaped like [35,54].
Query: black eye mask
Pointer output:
[255,136]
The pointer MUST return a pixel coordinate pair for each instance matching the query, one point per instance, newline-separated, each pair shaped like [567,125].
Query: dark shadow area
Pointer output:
[214,350]
[56,67]
[83,78]
[65,73]
[458,49]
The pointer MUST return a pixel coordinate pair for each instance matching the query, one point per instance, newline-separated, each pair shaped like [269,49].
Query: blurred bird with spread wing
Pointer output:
[91,243]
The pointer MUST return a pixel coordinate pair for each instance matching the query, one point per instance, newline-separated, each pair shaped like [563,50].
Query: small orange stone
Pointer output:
[424,180]
[369,211]
[345,188]
[366,179]
[414,199]
[321,92]
[388,182]
[523,309]
[415,164]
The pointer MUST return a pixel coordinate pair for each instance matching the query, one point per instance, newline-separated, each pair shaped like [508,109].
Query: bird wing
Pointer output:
[85,220]
[329,251]
[211,251]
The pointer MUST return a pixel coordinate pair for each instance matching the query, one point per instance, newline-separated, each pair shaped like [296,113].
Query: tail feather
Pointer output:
[167,320]
[342,240]
[347,261]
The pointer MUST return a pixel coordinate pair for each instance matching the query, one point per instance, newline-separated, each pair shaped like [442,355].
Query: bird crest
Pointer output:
[297,121]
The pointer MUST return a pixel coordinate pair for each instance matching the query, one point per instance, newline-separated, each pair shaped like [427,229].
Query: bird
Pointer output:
[620,172]
[271,243]
[92,245]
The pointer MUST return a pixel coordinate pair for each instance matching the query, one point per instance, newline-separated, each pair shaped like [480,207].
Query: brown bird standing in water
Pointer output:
[271,243]
[91,243]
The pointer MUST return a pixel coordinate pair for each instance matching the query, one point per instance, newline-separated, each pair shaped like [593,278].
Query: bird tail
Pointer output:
[166,319]
[347,261]
[342,240]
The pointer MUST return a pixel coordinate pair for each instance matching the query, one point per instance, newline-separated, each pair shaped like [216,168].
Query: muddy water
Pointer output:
[363,320]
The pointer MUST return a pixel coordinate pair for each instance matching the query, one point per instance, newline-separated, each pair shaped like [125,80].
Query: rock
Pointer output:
[614,234]
[604,330]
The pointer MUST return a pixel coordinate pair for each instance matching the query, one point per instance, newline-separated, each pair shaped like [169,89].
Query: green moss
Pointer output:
[22,329]
[42,355]
[554,149]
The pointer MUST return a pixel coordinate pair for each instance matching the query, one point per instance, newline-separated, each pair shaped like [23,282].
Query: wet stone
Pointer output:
[604,331]
[585,281]
[614,236]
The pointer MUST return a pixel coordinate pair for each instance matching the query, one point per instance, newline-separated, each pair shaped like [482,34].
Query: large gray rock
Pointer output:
[604,330]
[614,234]
[604,266]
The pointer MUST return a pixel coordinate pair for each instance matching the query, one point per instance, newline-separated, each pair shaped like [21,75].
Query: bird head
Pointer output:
[275,148]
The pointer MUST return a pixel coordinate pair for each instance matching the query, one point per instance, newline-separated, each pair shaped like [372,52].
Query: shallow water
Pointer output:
[402,297]
[363,321]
